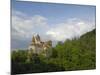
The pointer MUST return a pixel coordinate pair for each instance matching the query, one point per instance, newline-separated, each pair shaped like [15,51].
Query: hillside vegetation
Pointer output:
[75,54]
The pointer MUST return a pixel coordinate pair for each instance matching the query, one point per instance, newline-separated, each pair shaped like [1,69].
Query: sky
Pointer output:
[56,22]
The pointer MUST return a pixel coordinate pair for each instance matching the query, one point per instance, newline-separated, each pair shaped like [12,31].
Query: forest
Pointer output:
[75,54]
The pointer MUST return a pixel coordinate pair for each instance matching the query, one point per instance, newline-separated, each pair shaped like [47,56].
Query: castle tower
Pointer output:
[37,39]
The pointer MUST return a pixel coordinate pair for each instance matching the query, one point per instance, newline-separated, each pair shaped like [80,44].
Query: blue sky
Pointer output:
[55,11]
[49,20]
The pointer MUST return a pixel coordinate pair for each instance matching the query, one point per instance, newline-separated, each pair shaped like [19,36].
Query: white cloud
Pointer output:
[70,30]
[24,26]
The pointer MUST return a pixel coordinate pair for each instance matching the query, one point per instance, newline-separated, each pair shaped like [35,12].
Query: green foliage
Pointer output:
[19,56]
[75,54]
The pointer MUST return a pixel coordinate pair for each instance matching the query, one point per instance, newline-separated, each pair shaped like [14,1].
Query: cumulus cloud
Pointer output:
[24,27]
[70,29]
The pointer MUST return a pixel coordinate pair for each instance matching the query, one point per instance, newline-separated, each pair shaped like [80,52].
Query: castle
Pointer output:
[39,47]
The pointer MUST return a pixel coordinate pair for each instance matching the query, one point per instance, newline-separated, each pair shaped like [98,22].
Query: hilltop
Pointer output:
[75,54]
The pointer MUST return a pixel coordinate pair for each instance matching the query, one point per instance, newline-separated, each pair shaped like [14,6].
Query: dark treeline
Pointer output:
[76,54]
